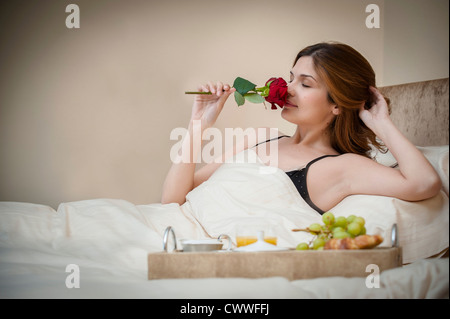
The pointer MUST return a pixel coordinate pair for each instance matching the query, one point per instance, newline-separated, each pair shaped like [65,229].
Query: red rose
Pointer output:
[277,92]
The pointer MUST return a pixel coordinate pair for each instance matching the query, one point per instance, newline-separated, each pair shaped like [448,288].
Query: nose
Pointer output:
[290,89]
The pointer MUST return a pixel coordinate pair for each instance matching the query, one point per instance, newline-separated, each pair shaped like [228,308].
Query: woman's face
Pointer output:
[307,104]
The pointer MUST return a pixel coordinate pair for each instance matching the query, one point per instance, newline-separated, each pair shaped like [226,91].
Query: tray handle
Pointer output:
[169,230]
[228,239]
[394,236]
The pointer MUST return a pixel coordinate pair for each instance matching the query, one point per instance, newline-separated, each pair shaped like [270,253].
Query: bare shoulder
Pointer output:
[342,168]
[364,175]
[355,165]
[351,159]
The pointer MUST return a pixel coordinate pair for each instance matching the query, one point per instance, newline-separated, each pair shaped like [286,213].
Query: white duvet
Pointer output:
[108,240]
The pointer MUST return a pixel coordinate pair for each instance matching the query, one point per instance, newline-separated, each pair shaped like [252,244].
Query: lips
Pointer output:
[287,104]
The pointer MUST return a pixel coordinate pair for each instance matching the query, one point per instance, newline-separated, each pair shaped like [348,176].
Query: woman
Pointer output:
[339,113]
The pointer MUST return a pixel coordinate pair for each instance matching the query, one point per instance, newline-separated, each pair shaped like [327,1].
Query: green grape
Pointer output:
[354,229]
[302,246]
[318,242]
[328,218]
[316,228]
[359,220]
[363,231]
[350,218]
[341,221]
[337,229]
[341,234]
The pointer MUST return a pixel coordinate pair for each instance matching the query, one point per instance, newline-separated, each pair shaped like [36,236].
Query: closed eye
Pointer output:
[291,77]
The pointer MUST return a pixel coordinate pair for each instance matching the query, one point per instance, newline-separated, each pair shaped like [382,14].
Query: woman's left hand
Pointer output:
[378,112]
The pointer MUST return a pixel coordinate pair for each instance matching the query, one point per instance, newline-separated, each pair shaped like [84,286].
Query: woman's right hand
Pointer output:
[206,107]
[180,179]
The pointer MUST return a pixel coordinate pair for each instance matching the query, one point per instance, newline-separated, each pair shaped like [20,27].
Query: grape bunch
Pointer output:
[340,227]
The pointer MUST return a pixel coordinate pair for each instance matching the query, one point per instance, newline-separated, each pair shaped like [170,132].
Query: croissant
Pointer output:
[359,242]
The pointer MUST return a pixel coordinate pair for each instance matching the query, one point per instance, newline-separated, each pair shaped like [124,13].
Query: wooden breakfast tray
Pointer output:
[291,264]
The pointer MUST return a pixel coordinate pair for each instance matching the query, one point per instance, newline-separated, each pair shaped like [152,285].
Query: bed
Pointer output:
[99,248]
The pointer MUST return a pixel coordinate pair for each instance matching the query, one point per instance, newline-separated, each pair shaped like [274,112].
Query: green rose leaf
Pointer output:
[243,86]
[240,100]
[254,98]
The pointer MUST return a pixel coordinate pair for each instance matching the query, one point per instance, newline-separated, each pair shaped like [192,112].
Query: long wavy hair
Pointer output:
[347,76]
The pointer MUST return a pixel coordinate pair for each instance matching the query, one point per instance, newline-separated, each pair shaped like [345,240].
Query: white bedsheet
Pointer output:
[46,279]
[109,240]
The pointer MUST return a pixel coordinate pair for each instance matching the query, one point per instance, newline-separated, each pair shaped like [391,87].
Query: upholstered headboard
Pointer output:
[420,110]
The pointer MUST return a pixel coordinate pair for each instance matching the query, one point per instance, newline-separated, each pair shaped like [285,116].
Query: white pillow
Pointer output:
[423,226]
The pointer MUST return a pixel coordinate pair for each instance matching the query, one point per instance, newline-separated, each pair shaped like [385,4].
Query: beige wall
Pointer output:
[415,40]
[87,113]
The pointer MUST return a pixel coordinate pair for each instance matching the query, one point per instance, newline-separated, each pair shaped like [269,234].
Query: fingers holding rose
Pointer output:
[217,88]
[207,107]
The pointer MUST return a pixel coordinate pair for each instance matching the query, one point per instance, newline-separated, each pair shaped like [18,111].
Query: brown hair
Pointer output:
[347,76]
